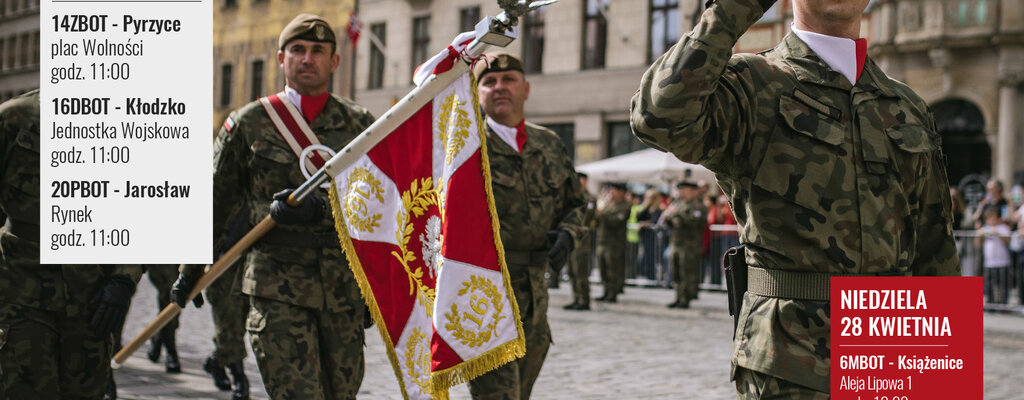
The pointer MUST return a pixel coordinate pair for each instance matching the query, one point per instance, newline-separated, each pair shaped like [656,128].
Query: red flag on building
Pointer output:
[417,220]
[353,29]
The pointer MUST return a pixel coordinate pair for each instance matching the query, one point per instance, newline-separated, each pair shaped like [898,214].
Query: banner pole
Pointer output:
[497,31]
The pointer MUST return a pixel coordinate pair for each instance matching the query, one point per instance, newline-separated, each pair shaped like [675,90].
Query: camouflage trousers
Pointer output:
[752,385]
[48,355]
[685,264]
[229,314]
[514,381]
[306,353]
[163,277]
[611,262]
[579,272]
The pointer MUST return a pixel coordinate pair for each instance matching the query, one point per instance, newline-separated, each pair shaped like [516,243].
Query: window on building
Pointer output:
[468,17]
[595,33]
[968,12]
[256,76]
[35,48]
[621,139]
[664,23]
[420,41]
[12,50]
[26,49]
[379,32]
[566,132]
[225,85]
[533,41]
[3,53]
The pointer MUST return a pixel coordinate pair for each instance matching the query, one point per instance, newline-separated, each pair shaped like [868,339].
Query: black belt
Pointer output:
[23,229]
[520,257]
[303,239]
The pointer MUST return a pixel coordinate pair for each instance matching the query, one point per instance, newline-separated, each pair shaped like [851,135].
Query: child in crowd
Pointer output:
[996,252]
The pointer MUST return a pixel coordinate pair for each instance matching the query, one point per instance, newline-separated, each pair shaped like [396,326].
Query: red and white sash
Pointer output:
[294,129]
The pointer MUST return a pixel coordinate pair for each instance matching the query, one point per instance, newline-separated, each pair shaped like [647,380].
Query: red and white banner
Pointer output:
[416,218]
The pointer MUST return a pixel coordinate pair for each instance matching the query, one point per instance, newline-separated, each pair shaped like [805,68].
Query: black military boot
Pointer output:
[220,378]
[237,371]
[171,363]
[155,344]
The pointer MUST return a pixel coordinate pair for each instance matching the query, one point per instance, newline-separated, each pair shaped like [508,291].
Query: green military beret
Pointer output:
[307,27]
[617,185]
[497,63]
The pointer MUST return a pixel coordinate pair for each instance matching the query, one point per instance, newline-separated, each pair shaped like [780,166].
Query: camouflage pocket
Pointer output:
[800,161]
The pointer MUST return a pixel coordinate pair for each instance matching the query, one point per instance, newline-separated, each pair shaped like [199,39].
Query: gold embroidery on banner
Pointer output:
[479,306]
[356,210]
[454,129]
[415,201]
[417,358]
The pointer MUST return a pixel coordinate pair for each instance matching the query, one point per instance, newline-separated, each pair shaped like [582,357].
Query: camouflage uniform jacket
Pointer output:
[611,224]
[823,176]
[23,281]
[252,162]
[589,219]
[535,191]
[687,222]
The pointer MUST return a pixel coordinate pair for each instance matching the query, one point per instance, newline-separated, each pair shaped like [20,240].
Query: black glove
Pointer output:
[309,212]
[180,290]
[560,250]
[111,305]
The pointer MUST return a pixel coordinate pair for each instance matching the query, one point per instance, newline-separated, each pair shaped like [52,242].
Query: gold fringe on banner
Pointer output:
[509,351]
[364,284]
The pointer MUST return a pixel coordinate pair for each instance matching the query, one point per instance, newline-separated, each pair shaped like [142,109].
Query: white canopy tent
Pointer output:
[645,166]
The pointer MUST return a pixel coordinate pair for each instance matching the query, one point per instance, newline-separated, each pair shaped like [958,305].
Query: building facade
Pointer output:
[584,60]
[245,44]
[19,47]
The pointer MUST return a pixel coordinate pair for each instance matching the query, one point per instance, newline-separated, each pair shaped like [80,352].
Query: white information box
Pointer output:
[126,132]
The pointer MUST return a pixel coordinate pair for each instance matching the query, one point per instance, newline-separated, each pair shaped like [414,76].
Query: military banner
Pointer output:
[417,220]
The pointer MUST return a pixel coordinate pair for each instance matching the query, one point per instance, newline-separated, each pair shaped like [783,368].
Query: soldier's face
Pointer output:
[308,65]
[687,193]
[502,95]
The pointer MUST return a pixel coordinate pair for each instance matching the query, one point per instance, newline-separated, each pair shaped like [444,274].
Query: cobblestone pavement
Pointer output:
[635,349]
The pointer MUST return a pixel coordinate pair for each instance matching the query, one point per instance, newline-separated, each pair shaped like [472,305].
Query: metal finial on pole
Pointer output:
[514,9]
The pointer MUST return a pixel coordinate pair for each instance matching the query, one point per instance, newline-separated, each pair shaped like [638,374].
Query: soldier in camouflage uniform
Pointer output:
[55,320]
[229,308]
[830,169]
[687,216]
[306,316]
[611,217]
[162,277]
[579,264]
[540,208]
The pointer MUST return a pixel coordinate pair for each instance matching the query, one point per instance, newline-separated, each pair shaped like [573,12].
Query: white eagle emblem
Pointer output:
[431,240]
